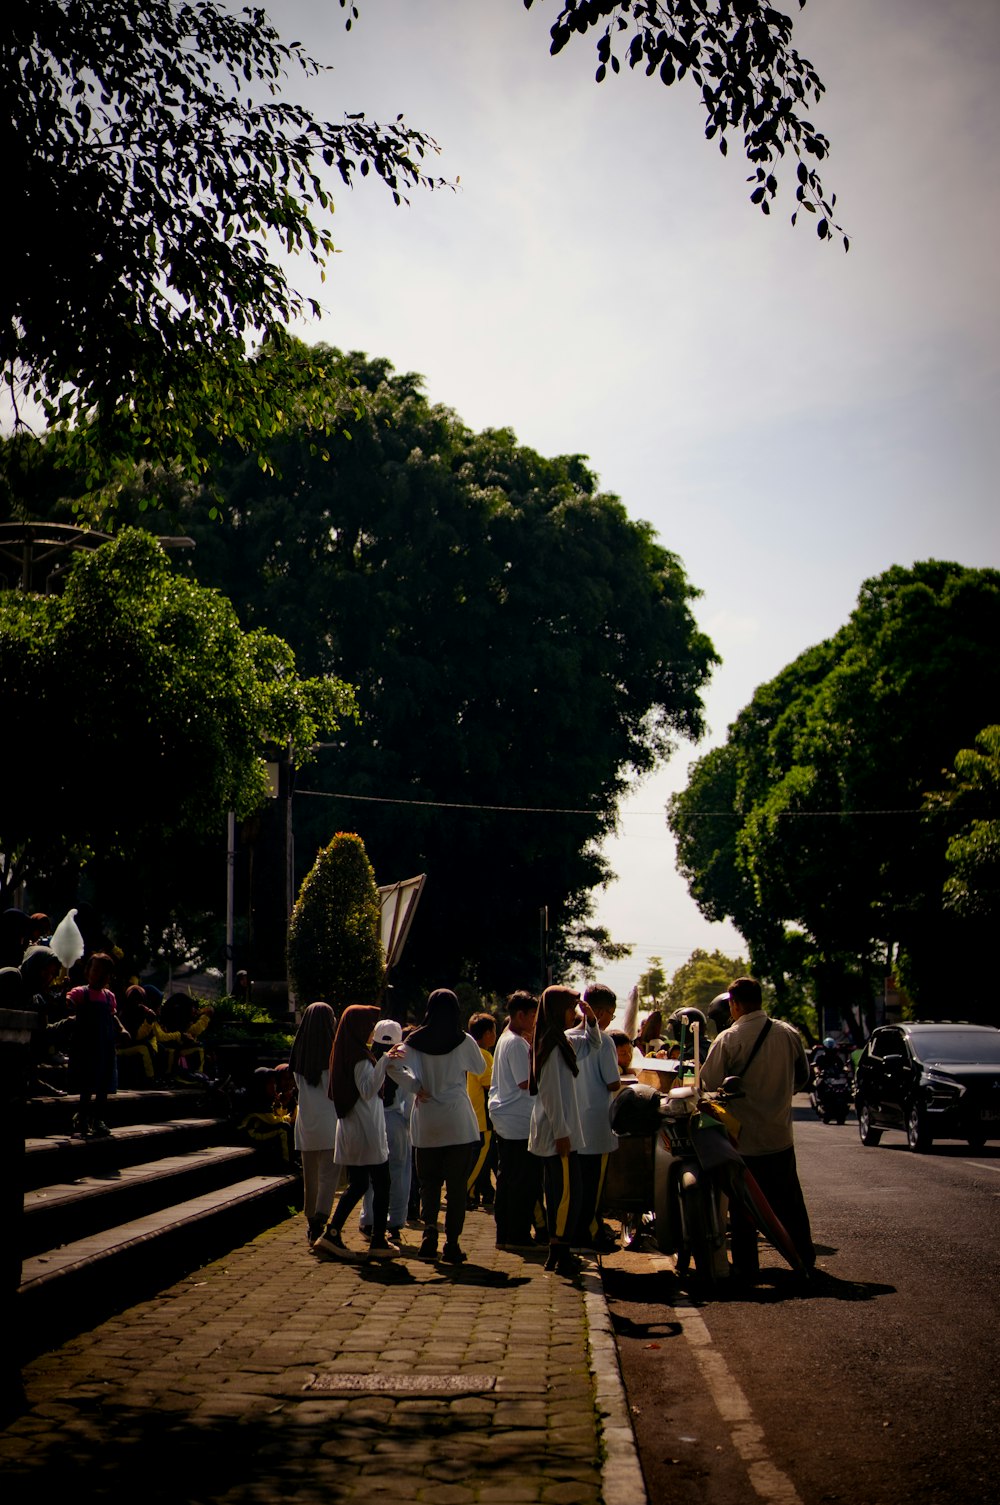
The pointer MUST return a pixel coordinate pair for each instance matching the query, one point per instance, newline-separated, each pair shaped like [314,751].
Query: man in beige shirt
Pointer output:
[778,1070]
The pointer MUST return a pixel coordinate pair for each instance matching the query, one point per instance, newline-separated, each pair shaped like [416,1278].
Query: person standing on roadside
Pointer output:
[778,1070]
[599,1078]
[439,1056]
[519,1184]
[556,1135]
[361,1145]
[316,1118]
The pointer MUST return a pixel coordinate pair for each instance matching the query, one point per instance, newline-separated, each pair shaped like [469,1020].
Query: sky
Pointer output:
[790,419]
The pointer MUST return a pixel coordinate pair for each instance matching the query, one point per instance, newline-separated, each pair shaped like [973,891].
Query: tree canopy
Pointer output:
[136,712]
[521,649]
[739,56]
[812,822]
[154,170]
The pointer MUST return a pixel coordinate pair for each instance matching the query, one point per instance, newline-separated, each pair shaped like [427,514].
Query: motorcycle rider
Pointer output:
[827,1060]
[766,1144]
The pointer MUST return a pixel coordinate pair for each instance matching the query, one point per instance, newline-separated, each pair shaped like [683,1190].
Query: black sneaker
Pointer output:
[382,1248]
[330,1245]
[451,1254]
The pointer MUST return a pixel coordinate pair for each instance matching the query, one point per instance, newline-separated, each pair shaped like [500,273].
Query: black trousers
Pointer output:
[446,1166]
[519,1190]
[359,1177]
[778,1178]
[592,1172]
[561,1178]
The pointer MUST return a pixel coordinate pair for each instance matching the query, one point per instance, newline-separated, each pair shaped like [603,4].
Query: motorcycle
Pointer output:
[685,1148]
[830,1095]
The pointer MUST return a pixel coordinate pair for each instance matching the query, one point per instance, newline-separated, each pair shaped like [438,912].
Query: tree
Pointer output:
[971,801]
[520,646]
[701,978]
[151,190]
[135,713]
[334,942]
[652,985]
[825,775]
[738,54]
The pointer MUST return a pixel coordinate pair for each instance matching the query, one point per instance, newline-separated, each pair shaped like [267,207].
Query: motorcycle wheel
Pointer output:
[698,1238]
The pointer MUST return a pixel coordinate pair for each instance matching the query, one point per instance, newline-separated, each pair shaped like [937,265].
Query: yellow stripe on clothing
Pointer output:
[562,1210]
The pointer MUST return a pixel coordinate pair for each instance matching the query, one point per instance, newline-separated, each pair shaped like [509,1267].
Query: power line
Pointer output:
[377,799]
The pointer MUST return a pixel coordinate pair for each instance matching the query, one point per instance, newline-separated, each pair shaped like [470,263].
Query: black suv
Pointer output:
[935,1081]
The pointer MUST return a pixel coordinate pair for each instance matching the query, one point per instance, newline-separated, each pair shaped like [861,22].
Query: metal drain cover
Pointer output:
[404,1384]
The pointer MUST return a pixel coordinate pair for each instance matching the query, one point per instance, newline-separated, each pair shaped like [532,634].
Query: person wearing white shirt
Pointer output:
[556,1133]
[439,1055]
[361,1145]
[316,1116]
[519,1183]
[599,1079]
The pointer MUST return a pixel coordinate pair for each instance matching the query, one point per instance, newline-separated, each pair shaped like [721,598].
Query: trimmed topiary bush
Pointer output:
[334,938]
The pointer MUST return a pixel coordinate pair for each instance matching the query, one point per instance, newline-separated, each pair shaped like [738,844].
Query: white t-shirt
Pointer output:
[316,1118]
[446,1116]
[510,1103]
[598,1072]
[361,1137]
[554,1112]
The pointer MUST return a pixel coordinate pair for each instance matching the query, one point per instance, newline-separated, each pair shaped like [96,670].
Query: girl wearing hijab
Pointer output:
[316,1119]
[439,1055]
[556,1134]
[361,1144]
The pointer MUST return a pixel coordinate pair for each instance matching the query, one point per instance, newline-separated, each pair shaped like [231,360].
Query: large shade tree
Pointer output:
[811,822]
[521,650]
[157,171]
[136,713]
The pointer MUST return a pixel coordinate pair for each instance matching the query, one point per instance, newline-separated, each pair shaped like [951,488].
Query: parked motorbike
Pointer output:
[696,1170]
[831,1095]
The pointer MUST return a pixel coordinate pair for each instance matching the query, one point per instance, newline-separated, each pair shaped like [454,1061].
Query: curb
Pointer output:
[621,1471]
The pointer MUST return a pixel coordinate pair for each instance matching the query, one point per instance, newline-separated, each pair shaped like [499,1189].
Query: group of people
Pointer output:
[84,1035]
[378,1105]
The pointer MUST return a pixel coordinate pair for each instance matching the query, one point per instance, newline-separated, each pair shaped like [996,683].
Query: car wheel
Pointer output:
[977,1142]
[868,1134]
[917,1135]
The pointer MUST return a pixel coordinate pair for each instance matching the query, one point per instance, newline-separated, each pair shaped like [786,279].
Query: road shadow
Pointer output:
[778,1286]
[954,1150]
[662,1287]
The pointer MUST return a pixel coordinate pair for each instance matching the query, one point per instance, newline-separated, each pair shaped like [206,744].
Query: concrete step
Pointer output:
[62,1212]
[67,1289]
[45,1116]
[59,1158]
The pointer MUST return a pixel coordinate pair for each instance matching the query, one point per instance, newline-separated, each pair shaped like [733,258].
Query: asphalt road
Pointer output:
[882,1389]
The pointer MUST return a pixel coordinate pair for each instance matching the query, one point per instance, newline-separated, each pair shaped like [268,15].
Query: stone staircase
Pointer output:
[109,1221]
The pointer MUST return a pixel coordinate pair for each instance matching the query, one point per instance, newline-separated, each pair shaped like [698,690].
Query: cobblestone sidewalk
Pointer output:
[272,1375]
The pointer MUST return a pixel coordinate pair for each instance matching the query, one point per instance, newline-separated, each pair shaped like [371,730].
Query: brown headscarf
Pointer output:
[310,1055]
[550,1033]
[350,1045]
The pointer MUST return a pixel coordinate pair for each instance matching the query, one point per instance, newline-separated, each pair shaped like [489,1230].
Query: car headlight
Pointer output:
[943,1089]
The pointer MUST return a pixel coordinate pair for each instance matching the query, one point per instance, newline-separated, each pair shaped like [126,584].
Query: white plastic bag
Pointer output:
[67,942]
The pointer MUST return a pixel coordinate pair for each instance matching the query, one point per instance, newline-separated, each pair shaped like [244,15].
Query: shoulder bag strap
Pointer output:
[756,1047]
